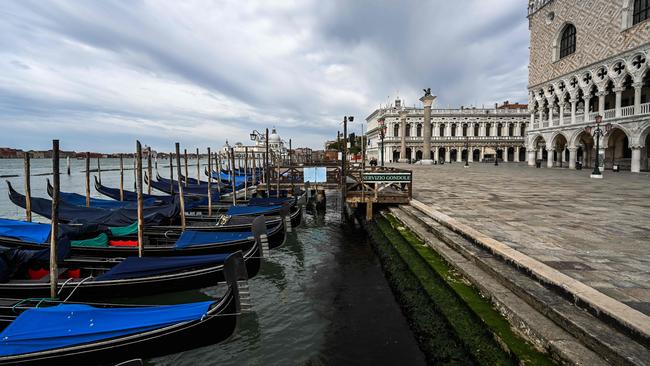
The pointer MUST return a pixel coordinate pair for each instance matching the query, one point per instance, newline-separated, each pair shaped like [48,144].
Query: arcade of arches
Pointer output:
[569,149]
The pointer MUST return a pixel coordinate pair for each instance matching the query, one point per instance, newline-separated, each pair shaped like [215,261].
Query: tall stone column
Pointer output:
[470,154]
[482,155]
[427,100]
[436,154]
[549,157]
[447,154]
[619,97]
[402,132]
[561,113]
[572,157]
[459,154]
[636,159]
[532,120]
[505,154]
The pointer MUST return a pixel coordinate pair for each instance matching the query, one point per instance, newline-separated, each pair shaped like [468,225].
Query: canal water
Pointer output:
[321,299]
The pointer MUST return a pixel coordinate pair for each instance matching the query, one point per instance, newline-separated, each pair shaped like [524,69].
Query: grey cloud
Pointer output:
[229,66]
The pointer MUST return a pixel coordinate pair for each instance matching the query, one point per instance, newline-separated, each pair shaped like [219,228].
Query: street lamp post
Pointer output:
[256,136]
[345,153]
[597,134]
[382,134]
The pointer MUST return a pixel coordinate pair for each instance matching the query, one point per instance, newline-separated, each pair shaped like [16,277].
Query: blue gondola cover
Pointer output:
[32,232]
[191,238]
[133,267]
[65,325]
[251,210]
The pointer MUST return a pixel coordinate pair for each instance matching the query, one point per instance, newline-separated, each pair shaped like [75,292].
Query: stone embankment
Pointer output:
[561,316]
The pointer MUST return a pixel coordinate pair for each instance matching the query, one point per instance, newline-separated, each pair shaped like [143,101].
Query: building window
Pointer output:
[453,130]
[641,11]
[442,129]
[465,130]
[568,41]
[419,130]
[476,129]
[487,129]
[396,130]
[523,129]
[408,130]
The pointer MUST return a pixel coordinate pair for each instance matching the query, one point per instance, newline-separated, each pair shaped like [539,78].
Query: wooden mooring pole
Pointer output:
[138,187]
[121,177]
[67,163]
[232,175]
[198,166]
[54,231]
[87,179]
[149,171]
[28,188]
[186,172]
[209,183]
[217,157]
[246,172]
[180,184]
[171,173]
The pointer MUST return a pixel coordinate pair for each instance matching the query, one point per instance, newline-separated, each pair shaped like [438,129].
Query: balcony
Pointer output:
[581,118]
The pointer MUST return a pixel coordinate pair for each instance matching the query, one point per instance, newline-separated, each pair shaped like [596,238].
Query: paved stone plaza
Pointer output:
[596,231]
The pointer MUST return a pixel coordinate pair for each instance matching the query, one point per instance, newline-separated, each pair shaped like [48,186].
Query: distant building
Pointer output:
[480,132]
[589,58]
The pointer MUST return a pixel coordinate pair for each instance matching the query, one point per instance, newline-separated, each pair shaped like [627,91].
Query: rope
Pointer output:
[76,287]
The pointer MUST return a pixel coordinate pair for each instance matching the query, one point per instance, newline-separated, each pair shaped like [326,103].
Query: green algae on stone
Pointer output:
[523,351]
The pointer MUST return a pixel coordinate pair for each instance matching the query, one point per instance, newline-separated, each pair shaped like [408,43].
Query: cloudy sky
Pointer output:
[98,74]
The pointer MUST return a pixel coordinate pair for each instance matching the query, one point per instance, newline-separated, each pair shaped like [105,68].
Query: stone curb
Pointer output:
[633,320]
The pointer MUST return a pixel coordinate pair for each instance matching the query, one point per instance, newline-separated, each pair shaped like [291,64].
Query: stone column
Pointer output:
[482,155]
[531,157]
[470,154]
[601,102]
[402,132]
[636,159]
[572,157]
[549,157]
[551,104]
[574,107]
[637,97]
[436,129]
[532,120]
[447,155]
[619,96]
[541,115]
[459,154]
[448,129]
[427,100]
[481,129]
[517,154]
[505,154]
[436,154]
[561,113]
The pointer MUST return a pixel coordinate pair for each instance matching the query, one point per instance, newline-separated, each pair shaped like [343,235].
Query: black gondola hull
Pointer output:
[219,325]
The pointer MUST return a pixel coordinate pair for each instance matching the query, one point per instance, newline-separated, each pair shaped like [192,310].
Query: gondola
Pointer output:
[110,242]
[155,215]
[86,278]
[160,220]
[165,185]
[114,193]
[76,199]
[37,332]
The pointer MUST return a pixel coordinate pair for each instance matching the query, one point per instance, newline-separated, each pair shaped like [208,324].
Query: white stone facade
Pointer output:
[607,75]
[482,132]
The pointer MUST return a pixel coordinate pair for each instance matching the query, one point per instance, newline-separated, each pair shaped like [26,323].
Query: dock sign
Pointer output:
[387,177]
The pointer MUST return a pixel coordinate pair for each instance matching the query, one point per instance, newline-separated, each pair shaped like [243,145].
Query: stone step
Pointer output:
[569,333]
